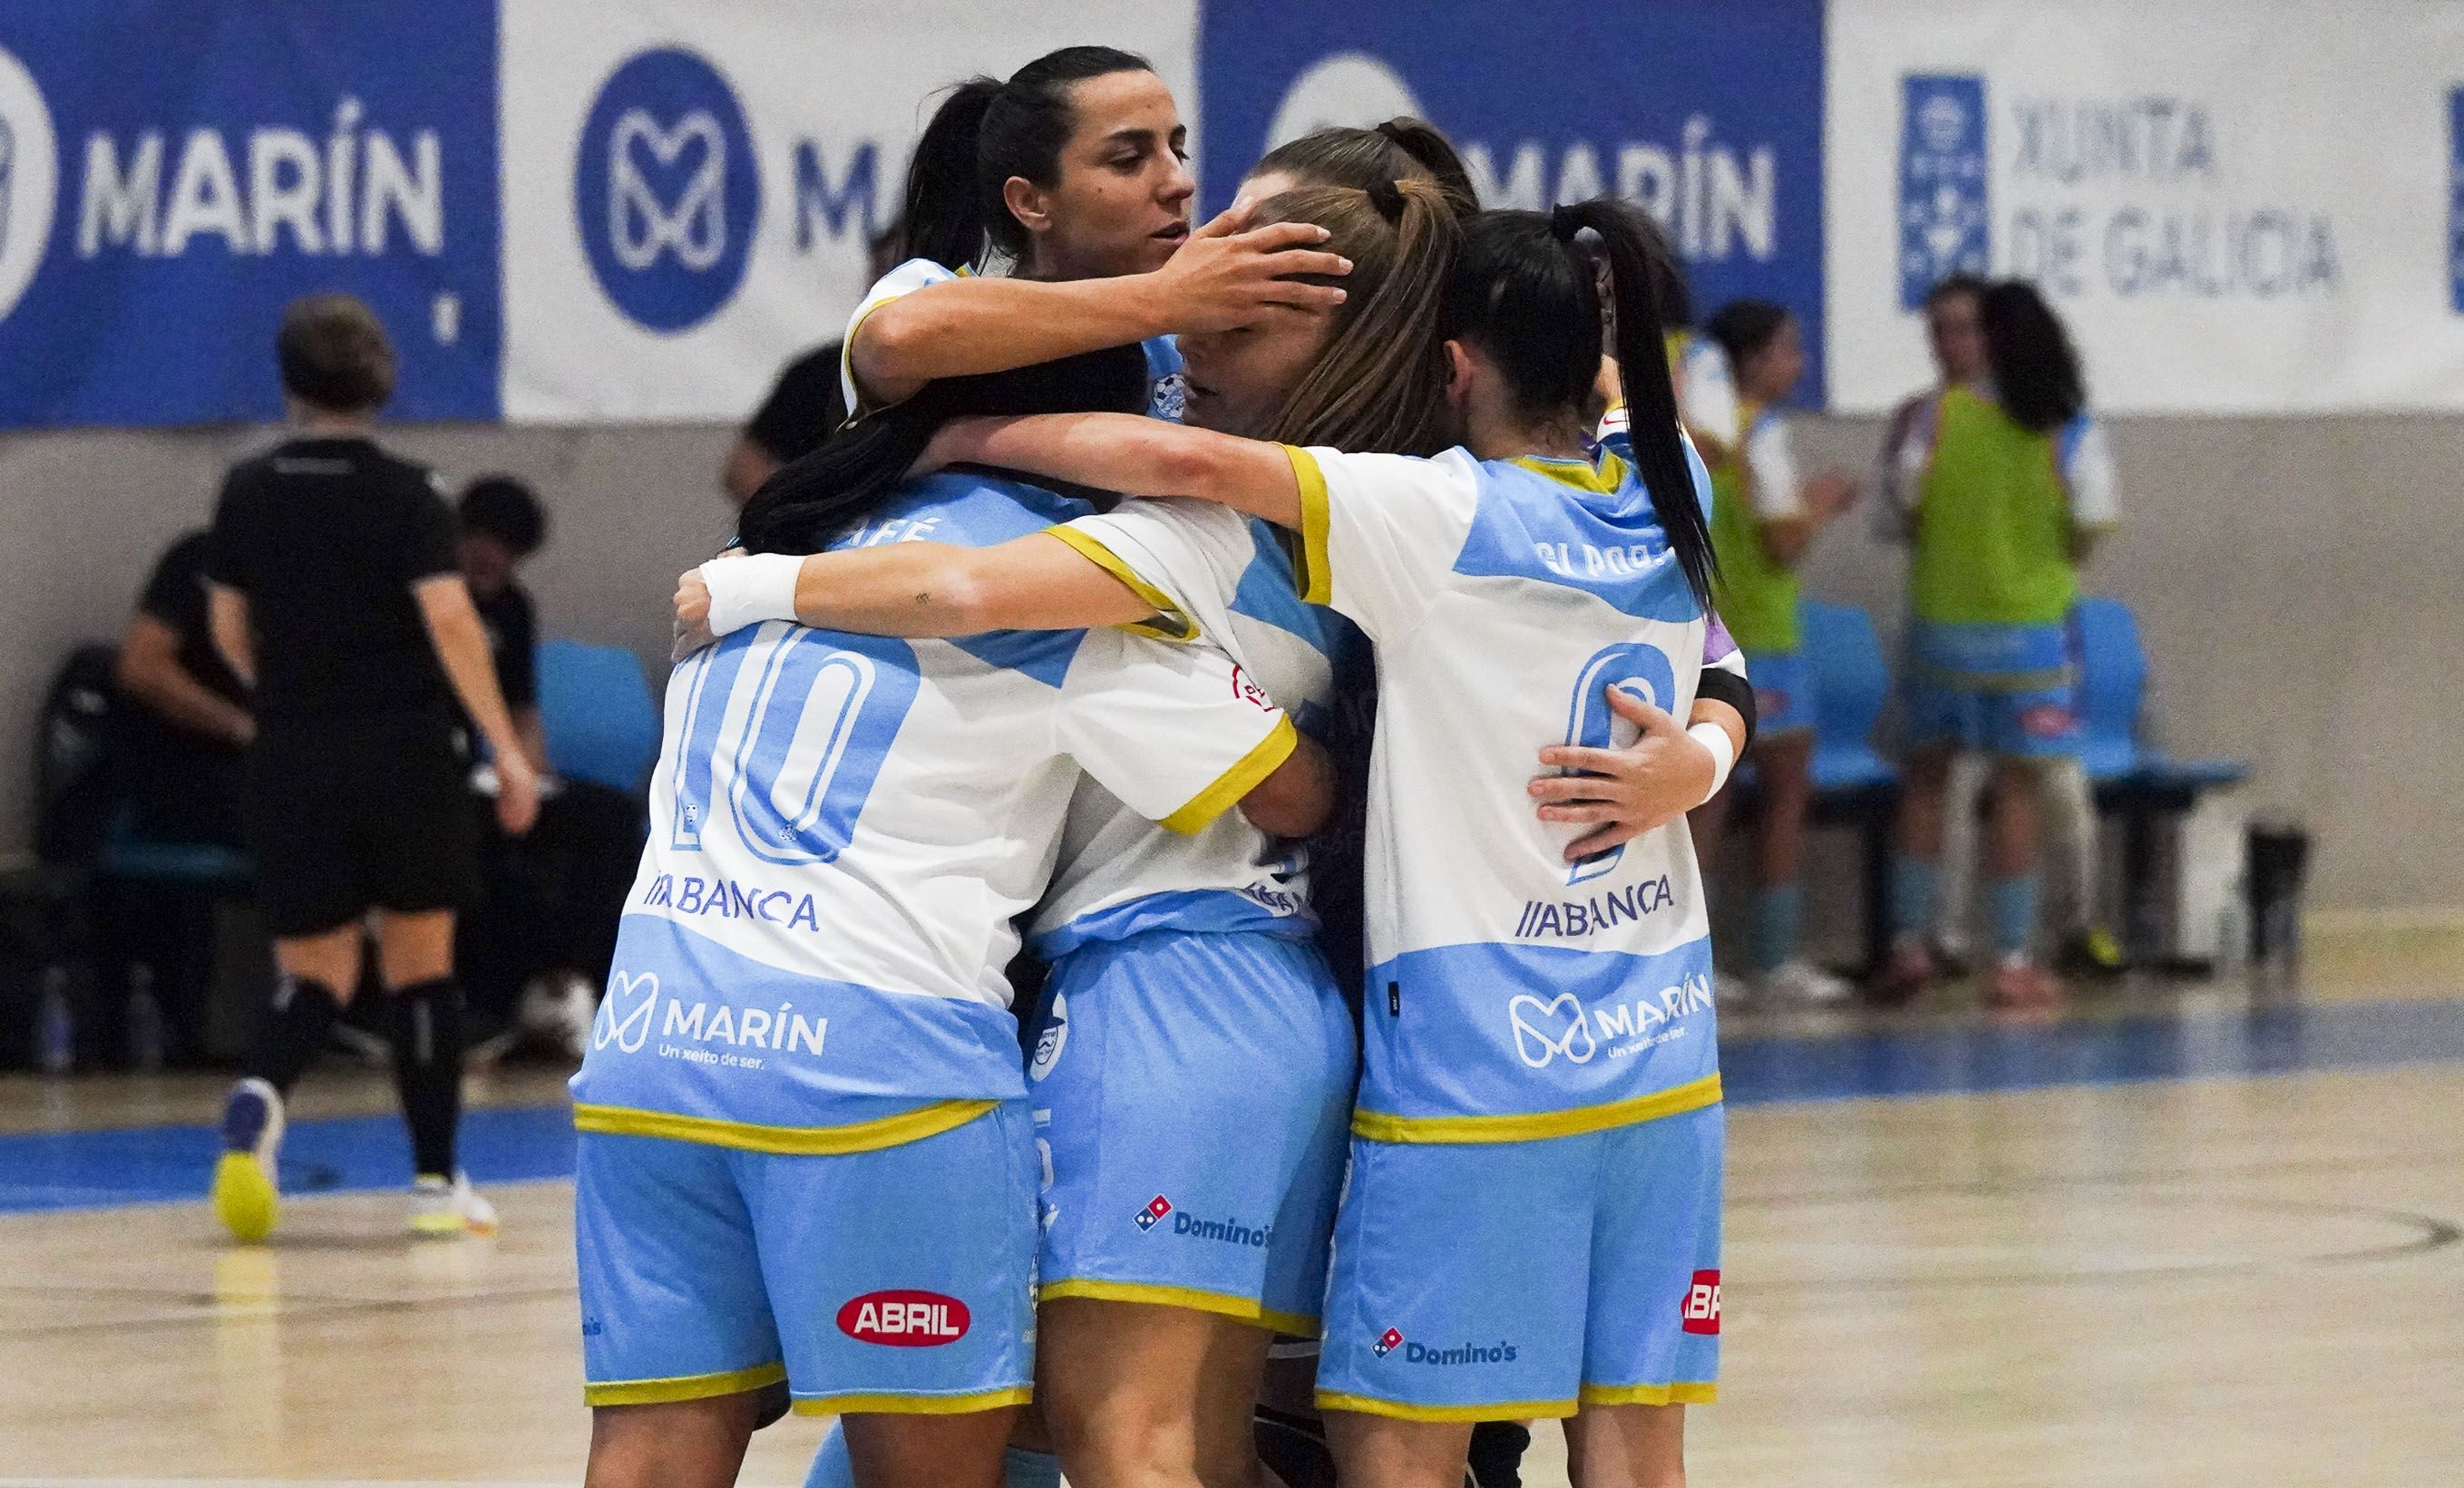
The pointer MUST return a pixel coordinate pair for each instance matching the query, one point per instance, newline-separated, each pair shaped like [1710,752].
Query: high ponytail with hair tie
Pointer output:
[1387,196]
[1564,222]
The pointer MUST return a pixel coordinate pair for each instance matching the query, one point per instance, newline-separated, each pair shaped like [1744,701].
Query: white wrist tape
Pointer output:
[746,591]
[1723,754]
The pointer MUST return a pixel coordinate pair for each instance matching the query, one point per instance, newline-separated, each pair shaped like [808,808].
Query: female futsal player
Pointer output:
[1195,1049]
[1763,516]
[805,1154]
[1539,1013]
[2002,485]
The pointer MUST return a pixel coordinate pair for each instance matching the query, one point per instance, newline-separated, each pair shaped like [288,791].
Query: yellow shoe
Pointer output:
[248,1197]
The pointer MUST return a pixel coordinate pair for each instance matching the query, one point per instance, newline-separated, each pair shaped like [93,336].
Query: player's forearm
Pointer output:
[994,324]
[1713,711]
[1142,456]
[227,619]
[461,644]
[188,702]
[1300,794]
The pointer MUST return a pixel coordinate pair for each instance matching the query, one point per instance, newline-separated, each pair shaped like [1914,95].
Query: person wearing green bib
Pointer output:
[2000,483]
[1763,517]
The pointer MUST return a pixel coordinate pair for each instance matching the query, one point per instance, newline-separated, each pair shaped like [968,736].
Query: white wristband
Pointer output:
[1723,754]
[746,591]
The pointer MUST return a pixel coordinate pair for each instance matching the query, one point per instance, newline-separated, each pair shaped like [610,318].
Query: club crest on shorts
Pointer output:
[1387,1343]
[1703,1303]
[1154,1213]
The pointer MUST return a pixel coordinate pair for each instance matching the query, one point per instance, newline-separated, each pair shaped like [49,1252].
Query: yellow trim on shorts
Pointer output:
[1684,1393]
[912,1405]
[1310,573]
[1261,761]
[860,1136]
[1692,1095]
[684,1387]
[1169,624]
[1503,1410]
[1227,1304]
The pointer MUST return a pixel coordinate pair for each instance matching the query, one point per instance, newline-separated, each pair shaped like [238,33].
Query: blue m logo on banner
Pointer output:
[1945,210]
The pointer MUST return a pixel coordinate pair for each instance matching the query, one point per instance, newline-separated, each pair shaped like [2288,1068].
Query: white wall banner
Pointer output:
[689,187]
[2238,207]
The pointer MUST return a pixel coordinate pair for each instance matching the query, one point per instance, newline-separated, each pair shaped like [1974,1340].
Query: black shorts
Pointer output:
[349,814]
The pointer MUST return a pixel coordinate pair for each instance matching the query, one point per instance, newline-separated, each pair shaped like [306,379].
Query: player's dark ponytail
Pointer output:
[812,501]
[2035,370]
[1399,149]
[1525,295]
[985,132]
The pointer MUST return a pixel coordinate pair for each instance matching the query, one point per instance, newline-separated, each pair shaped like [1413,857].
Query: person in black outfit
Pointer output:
[806,404]
[186,733]
[336,598]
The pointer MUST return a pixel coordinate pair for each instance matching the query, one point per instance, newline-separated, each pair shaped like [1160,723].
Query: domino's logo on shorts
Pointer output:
[1945,205]
[1387,1343]
[1702,1312]
[666,189]
[1157,1208]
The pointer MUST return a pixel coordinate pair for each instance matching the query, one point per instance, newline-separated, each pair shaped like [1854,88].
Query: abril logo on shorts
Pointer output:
[1944,210]
[904,1318]
[666,189]
[1703,1303]
[1387,1343]
[1154,1213]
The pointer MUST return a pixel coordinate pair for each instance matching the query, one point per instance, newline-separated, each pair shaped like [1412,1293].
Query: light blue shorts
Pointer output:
[1783,691]
[1192,1093]
[1499,1281]
[895,1280]
[2002,689]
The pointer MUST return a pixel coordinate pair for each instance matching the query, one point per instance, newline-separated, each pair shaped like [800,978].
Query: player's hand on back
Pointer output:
[692,609]
[1624,792]
[518,793]
[1227,273]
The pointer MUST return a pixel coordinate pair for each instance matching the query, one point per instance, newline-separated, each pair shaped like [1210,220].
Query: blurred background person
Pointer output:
[2000,483]
[336,595]
[808,402]
[1763,518]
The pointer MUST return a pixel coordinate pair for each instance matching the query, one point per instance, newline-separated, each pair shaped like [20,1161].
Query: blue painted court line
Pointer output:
[95,1170]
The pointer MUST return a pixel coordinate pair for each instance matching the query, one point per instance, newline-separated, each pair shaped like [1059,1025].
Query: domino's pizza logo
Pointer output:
[1387,1343]
[666,189]
[1945,205]
[29,179]
[1157,1208]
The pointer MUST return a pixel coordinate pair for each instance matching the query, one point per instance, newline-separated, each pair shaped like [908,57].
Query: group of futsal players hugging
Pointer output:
[1183,600]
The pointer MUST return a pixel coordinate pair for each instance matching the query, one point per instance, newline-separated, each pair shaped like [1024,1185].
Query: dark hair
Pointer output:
[814,498]
[985,132]
[1402,148]
[1960,283]
[506,509]
[2036,372]
[1523,293]
[1744,327]
[1379,381]
[334,355]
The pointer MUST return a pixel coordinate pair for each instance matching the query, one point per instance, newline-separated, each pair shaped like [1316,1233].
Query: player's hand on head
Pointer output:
[1227,273]
[1621,794]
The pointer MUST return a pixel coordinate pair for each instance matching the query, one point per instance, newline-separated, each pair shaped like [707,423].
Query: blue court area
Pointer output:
[93,1170]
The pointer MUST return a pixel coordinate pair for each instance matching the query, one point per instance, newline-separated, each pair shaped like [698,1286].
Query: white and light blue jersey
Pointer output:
[1167,389]
[1213,574]
[843,828]
[1512,996]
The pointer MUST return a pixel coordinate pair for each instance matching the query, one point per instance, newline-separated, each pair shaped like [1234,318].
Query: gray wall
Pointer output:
[2295,579]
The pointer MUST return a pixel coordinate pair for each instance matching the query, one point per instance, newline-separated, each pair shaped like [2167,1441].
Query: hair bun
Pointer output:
[1564,222]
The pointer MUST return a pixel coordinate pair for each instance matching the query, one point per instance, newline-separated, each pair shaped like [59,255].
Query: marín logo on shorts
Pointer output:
[625,1013]
[904,1318]
[1387,1343]
[625,1020]
[666,189]
[1532,1021]
[1153,1214]
[1703,1303]
[1054,1038]
[29,179]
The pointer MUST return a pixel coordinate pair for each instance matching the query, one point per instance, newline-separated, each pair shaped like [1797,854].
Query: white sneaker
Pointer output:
[1805,984]
[1732,990]
[444,1209]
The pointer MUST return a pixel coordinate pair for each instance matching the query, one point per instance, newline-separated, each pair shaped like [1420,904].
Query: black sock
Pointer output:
[1497,1449]
[428,1070]
[293,1031]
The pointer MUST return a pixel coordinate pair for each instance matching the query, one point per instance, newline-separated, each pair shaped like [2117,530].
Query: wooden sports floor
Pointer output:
[2168,1238]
